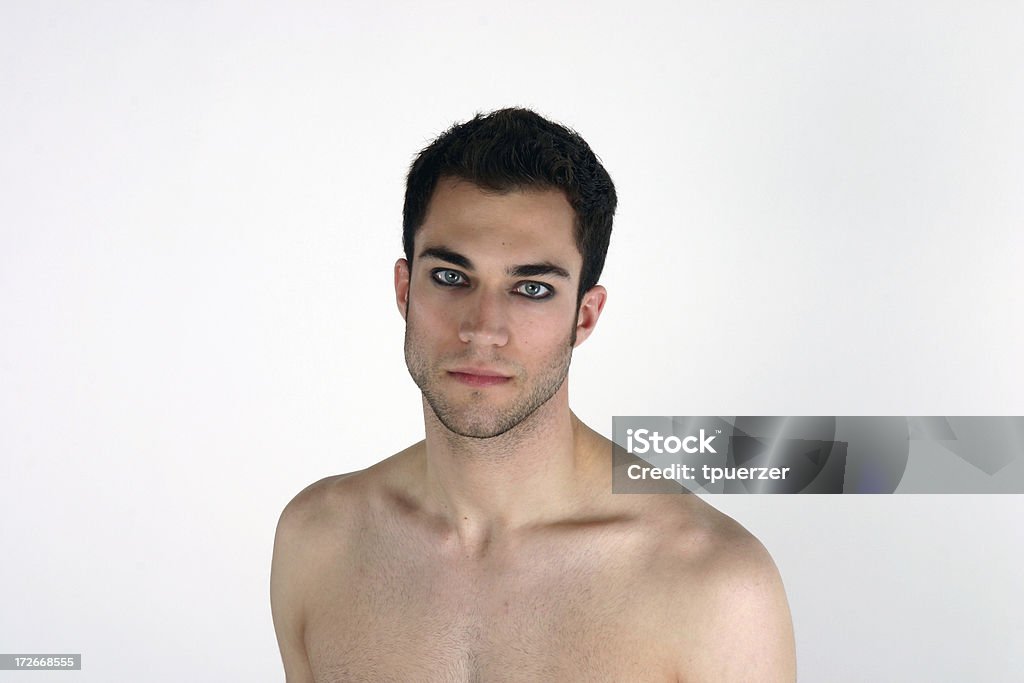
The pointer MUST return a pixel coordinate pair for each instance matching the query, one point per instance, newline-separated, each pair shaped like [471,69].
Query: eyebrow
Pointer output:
[524,270]
[535,269]
[445,254]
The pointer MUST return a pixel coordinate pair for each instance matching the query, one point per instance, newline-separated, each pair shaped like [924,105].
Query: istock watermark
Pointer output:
[818,454]
[642,441]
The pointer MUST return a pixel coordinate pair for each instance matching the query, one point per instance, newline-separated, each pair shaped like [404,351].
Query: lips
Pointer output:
[478,377]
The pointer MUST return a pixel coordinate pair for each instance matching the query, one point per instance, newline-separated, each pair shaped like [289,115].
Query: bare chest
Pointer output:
[549,617]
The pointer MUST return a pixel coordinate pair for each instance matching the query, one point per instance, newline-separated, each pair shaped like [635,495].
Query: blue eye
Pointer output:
[534,290]
[448,277]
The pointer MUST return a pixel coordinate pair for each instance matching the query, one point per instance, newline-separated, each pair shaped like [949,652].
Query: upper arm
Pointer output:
[748,634]
[287,592]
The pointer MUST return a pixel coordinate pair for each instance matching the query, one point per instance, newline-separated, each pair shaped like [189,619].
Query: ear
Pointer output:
[590,310]
[402,275]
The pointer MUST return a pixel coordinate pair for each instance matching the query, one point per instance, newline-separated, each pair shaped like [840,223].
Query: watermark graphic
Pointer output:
[823,454]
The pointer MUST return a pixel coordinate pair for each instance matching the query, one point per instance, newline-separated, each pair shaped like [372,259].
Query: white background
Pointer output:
[200,206]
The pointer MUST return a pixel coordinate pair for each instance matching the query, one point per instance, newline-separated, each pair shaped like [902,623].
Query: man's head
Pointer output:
[493,285]
[517,149]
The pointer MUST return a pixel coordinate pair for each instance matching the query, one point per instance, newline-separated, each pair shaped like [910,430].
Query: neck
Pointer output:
[536,472]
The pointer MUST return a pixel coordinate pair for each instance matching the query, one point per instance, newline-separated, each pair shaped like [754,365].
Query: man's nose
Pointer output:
[485,320]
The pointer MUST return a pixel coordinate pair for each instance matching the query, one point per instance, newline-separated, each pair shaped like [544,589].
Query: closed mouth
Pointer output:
[478,376]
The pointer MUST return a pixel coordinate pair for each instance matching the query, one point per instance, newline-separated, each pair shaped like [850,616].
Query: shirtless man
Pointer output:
[494,549]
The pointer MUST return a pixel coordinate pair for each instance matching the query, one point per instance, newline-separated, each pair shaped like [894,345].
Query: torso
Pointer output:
[614,596]
[560,607]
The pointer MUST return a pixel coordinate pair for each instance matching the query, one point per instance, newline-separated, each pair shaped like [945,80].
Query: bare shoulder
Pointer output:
[297,552]
[334,504]
[315,529]
[319,507]
[714,595]
[731,617]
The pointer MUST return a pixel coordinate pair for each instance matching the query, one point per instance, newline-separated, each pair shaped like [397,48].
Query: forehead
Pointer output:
[537,225]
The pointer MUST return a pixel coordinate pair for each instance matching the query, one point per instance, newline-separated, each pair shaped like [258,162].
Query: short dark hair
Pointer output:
[517,149]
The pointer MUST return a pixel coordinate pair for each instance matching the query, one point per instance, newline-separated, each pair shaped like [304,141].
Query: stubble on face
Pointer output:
[476,415]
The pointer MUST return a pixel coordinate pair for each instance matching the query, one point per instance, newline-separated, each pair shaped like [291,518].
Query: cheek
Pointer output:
[544,329]
[433,326]
[427,309]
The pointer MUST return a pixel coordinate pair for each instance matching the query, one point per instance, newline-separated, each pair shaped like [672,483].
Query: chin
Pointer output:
[475,426]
